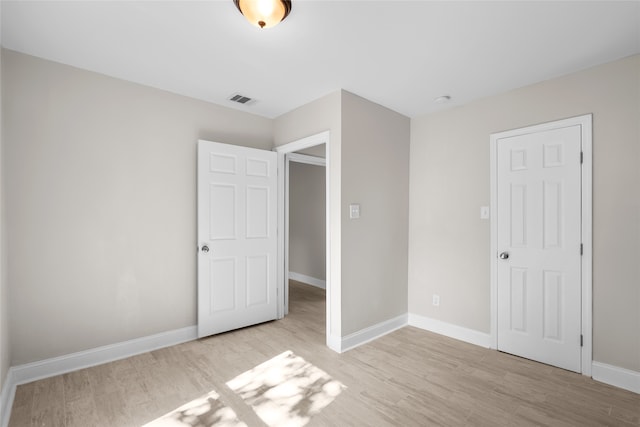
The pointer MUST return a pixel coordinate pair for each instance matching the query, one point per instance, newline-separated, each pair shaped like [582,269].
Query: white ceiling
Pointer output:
[400,54]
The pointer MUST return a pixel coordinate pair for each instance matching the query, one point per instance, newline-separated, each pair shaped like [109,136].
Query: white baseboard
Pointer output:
[450,330]
[318,283]
[608,374]
[617,377]
[334,342]
[96,356]
[26,373]
[372,332]
[6,399]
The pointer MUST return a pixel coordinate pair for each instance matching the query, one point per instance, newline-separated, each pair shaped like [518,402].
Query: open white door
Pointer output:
[237,241]
[539,239]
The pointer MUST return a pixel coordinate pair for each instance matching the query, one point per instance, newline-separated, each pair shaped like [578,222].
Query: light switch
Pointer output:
[484,212]
[354,211]
[436,300]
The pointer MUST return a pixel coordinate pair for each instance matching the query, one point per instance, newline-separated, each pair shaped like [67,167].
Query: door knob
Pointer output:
[205,249]
[504,255]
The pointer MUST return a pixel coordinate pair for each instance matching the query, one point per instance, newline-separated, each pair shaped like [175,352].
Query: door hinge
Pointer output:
[581,249]
[581,341]
[581,157]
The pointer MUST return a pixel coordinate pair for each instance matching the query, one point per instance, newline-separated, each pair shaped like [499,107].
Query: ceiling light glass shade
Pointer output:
[264,13]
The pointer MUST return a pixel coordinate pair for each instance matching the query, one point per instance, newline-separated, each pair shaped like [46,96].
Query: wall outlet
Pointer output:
[436,300]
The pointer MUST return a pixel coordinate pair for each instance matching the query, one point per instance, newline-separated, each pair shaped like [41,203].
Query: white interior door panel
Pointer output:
[237,223]
[539,246]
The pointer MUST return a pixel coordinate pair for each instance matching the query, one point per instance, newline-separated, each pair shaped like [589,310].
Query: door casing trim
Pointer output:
[585,123]
[333,294]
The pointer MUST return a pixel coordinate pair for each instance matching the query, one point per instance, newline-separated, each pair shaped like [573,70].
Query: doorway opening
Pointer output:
[311,151]
[306,244]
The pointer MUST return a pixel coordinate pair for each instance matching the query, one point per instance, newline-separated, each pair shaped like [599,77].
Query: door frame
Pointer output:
[283,224]
[585,123]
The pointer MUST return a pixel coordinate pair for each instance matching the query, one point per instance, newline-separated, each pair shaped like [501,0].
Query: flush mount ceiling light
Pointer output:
[264,13]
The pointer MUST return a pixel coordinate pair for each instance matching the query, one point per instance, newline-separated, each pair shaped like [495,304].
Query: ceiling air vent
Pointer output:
[241,99]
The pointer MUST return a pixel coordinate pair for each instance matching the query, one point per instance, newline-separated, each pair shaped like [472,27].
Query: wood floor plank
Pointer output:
[407,378]
[81,412]
[20,416]
[24,395]
[48,416]
[48,402]
[76,385]
[112,409]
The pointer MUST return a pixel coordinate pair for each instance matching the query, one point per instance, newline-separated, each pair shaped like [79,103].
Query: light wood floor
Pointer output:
[407,378]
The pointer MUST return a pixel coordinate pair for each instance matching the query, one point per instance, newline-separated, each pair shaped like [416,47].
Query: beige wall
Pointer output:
[375,174]
[101,204]
[369,160]
[449,243]
[307,225]
[315,117]
[4,294]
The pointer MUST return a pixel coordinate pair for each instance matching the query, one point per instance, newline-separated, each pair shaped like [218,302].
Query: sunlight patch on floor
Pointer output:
[286,391]
[205,411]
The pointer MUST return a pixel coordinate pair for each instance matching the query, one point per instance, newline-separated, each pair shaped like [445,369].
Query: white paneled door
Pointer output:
[237,242]
[539,246]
